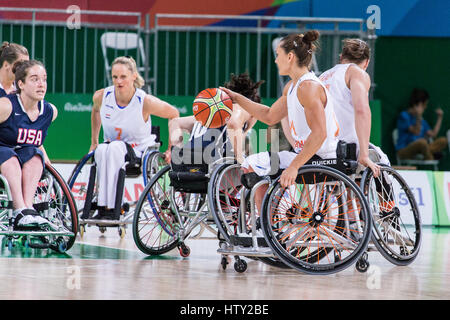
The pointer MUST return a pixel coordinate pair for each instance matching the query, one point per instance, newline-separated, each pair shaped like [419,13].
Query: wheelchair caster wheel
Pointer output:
[102,229]
[122,232]
[25,242]
[224,263]
[240,266]
[61,245]
[10,244]
[82,230]
[362,265]
[185,251]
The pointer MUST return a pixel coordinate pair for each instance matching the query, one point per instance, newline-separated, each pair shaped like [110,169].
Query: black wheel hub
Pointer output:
[316,219]
[165,205]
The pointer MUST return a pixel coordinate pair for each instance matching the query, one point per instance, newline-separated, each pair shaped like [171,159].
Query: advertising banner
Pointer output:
[132,191]
[442,186]
[421,184]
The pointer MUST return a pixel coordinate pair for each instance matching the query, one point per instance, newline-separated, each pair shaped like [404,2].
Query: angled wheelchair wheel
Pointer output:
[55,202]
[153,161]
[319,225]
[397,230]
[224,199]
[79,182]
[155,223]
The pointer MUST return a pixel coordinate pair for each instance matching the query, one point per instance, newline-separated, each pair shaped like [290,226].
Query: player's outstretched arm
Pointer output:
[177,126]
[263,113]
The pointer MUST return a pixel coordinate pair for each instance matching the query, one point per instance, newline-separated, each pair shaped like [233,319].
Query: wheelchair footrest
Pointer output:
[247,241]
[246,251]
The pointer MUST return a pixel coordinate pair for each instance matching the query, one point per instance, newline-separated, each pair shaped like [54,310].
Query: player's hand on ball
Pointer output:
[233,95]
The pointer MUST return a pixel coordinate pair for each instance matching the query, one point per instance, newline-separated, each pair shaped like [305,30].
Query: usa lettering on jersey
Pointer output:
[29,136]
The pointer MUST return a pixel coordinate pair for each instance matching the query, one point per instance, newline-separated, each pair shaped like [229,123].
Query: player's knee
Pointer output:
[10,164]
[116,147]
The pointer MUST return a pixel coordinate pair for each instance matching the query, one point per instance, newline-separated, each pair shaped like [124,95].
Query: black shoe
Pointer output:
[109,214]
[101,212]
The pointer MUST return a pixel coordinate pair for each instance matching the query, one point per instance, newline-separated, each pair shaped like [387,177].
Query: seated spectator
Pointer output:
[415,134]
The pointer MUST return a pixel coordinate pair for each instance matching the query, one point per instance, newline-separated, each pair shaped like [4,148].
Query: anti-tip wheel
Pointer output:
[122,232]
[185,251]
[362,265]
[224,262]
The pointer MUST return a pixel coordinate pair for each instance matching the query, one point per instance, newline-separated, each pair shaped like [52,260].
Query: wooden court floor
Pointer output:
[105,267]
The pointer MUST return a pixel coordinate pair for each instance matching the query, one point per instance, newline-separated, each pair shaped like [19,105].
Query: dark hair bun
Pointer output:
[16,66]
[311,36]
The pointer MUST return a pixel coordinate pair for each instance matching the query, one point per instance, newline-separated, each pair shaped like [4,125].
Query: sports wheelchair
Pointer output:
[54,201]
[82,182]
[174,205]
[319,225]
[298,232]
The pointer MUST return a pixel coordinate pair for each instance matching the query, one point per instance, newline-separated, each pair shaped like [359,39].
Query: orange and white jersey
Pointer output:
[334,81]
[299,127]
[126,123]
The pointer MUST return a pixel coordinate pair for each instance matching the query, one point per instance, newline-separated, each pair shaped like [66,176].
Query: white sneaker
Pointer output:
[28,221]
[44,223]
[29,218]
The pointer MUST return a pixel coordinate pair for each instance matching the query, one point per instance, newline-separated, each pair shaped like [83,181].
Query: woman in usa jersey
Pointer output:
[24,119]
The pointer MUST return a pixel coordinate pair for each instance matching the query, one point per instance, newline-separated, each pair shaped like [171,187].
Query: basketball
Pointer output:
[212,107]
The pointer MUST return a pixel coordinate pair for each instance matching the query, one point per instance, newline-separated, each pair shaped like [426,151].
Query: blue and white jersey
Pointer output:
[126,122]
[18,130]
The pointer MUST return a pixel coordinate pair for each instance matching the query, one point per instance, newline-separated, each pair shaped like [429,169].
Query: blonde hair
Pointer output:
[131,64]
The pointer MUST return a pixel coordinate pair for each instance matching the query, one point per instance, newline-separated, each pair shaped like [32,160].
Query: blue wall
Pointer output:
[417,18]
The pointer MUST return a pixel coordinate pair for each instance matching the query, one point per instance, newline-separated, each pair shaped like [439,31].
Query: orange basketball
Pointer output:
[212,107]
